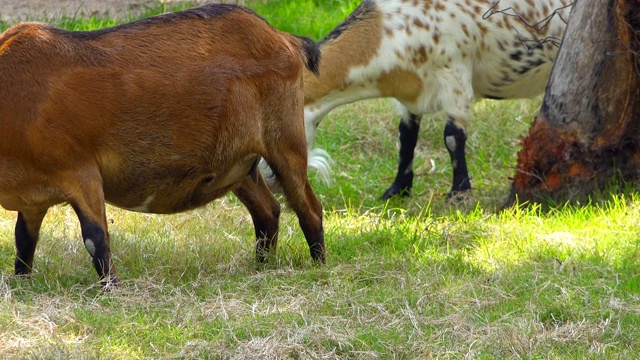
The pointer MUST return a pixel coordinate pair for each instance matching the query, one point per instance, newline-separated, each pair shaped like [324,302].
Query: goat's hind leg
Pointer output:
[265,213]
[455,139]
[290,167]
[27,232]
[408,135]
[456,99]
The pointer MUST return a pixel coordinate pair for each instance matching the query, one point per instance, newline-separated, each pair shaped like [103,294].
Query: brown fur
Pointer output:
[161,115]
[362,41]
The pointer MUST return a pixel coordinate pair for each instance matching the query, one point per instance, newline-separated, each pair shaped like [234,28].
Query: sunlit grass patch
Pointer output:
[513,284]
[417,277]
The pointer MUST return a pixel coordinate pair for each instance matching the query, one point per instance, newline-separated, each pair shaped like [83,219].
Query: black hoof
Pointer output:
[109,283]
[458,196]
[394,191]
[319,255]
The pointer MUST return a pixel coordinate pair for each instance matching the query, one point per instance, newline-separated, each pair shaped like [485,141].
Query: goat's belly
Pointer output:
[174,190]
[20,200]
[516,81]
[24,189]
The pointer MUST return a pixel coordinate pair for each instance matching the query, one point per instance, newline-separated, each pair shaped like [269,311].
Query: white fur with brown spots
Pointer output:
[433,55]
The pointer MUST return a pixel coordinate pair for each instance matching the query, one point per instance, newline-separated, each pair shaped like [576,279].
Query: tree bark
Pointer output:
[587,132]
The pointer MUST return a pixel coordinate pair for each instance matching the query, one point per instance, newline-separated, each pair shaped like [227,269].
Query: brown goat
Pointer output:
[160,115]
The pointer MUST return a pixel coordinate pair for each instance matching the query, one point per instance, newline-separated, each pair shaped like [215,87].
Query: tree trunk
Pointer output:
[587,133]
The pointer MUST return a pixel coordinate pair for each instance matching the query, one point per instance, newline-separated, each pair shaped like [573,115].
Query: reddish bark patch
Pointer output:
[550,160]
[587,137]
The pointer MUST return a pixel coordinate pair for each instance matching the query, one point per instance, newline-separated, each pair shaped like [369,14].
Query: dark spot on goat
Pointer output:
[506,79]
[531,64]
[517,56]
[487,96]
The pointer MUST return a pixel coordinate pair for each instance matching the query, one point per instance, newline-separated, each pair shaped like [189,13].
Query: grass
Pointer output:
[410,278]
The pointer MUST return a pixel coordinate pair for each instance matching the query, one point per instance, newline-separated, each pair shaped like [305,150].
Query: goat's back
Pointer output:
[414,50]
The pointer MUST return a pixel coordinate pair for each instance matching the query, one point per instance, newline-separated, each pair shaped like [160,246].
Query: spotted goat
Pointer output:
[160,115]
[433,55]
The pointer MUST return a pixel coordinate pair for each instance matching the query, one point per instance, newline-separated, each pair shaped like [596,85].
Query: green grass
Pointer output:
[411,278]
[311,18]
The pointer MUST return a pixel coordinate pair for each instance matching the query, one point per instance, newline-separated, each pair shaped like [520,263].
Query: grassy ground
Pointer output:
[411,278]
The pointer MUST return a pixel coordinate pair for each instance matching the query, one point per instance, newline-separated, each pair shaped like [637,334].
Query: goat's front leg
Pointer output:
[87,199]
[408,134]
[27,232]
[455,139]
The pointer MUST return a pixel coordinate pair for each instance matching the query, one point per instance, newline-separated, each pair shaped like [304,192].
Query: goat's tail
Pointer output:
[311,54]
[319,162]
